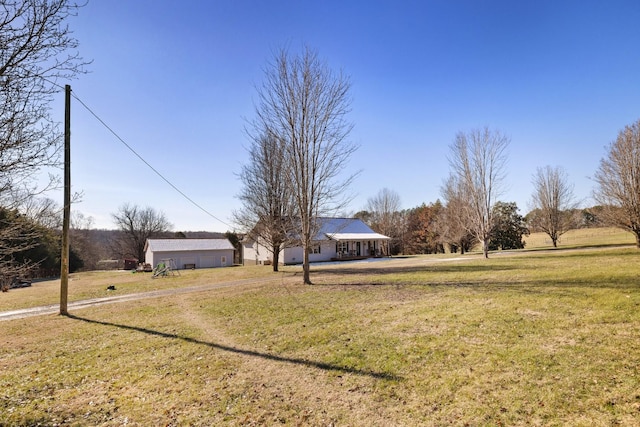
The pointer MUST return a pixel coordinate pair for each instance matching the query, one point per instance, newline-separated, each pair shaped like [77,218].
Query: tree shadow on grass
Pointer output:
[542,286]
[401,277]
[443,268]
[512,275]
[273,357]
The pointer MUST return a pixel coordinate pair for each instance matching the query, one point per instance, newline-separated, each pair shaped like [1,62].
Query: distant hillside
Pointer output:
[599,236]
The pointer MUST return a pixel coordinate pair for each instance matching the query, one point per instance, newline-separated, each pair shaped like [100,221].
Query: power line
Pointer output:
[147,163]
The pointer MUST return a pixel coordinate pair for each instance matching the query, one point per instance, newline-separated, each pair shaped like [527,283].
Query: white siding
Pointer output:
[196,258]
[327,251]
[198,253]
[148,256]
[255,254]
[185,261]
[207,261]
[292,255]
[249,253]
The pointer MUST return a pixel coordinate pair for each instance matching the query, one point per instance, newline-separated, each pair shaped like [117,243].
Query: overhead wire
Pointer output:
[193,202]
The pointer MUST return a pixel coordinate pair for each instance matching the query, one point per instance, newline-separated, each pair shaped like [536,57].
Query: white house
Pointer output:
[337,239]
[190,253]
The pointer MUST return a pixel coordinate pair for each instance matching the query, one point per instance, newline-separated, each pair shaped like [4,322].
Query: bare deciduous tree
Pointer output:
[36,51]
[138,225]
[552,203]
[304,104]
[618,181]
[268,213]
[84,243]
[17,235]
[43,211]
[385,215]
[478,160]
[452,224]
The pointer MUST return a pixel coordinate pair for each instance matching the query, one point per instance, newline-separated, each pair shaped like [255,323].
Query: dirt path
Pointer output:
[55,308]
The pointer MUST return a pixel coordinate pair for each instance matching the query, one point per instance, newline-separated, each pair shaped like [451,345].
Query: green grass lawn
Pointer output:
[94,284]
[605,236]
[529,338]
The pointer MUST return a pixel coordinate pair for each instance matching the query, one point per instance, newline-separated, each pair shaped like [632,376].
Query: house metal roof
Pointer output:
[357,236]
[182,245]
[340,229]
[346,229]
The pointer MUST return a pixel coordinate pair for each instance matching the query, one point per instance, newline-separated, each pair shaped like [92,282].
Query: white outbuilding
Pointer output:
[190,253]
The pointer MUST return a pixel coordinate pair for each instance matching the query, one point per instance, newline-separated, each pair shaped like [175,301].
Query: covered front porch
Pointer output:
[349,248]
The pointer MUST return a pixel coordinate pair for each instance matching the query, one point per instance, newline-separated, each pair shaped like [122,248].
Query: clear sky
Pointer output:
[176,80]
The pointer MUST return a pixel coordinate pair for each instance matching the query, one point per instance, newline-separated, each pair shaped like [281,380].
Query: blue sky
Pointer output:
[176,80]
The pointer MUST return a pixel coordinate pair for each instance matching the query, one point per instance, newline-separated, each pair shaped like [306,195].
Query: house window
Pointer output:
[343,247]
[315,249]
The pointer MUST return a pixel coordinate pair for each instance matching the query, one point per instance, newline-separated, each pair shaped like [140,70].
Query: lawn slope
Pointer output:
[535,338]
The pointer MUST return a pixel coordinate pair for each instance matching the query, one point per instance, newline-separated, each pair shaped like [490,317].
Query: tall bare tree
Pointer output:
[385,215]
[618,181]
[268,213]
[82,234]
[552,203]
[453,224]
[44,211]
[137,225]
[478,161]
[304,104]
[37,51]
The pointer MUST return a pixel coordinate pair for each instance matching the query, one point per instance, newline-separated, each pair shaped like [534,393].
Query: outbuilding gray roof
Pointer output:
[183,245]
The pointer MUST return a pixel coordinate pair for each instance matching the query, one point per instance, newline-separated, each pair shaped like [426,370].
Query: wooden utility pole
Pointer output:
[64,257]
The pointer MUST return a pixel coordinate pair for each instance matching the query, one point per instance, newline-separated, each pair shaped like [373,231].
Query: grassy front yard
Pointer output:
[535,338]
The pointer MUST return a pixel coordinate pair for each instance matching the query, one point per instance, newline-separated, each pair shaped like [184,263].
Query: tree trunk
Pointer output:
[276,257]
[306,270]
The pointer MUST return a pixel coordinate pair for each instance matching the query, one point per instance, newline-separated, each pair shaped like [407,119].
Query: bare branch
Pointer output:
[478,163]
[37,50]
[303,105]
[139,224]
[268,210]
[385,215]
[618,181]
[552,202]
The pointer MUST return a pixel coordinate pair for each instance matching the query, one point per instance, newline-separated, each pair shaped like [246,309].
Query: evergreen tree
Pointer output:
[508,227]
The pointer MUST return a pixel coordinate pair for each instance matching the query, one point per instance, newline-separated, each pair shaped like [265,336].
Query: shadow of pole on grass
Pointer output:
[309,363]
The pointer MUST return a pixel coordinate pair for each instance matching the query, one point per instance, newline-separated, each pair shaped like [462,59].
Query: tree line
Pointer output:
[37,251]
[430,229]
